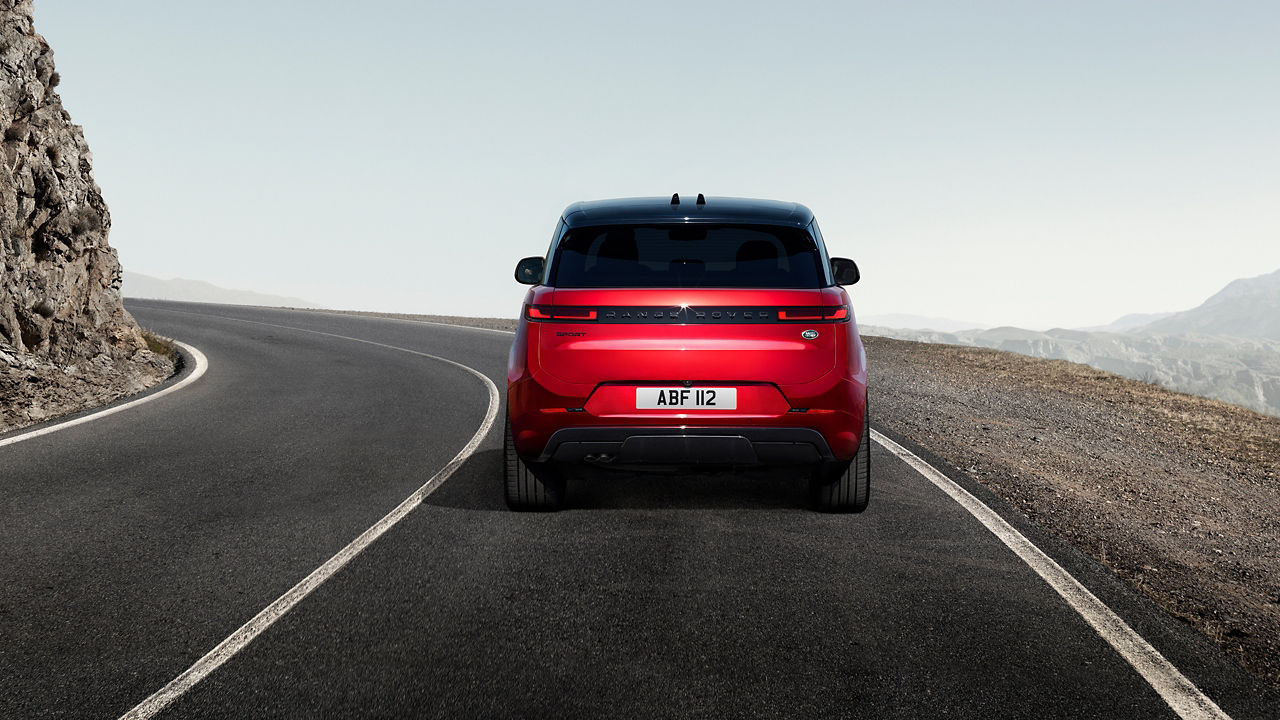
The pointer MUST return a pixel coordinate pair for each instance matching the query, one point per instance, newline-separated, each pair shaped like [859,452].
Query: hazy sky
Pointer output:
[1029,163]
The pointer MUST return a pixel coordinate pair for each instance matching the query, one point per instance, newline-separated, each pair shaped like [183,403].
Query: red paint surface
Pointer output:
[555,365]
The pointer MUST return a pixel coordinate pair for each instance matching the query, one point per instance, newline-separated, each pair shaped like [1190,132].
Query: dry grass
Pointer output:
[162,346]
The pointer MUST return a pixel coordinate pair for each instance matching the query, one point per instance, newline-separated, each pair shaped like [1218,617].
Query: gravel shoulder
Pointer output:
[1177,494]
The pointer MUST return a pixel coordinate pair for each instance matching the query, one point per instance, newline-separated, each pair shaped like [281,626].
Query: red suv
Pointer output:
[669,335]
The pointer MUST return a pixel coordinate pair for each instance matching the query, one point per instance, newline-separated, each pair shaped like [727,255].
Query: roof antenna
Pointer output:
[701,200]
[675,198]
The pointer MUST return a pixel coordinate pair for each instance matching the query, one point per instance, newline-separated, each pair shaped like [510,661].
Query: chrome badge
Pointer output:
[809,334]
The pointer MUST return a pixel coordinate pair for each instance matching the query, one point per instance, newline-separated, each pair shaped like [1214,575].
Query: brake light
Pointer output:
[815,314]
[559,312]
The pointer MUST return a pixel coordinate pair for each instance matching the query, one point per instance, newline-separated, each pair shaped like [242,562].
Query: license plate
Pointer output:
[698,398]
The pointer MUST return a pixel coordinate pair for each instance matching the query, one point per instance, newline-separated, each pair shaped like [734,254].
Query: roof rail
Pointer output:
[701,200]
[675,198]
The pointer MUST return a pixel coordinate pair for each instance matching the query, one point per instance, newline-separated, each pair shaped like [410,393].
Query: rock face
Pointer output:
[60,282]
[60,305]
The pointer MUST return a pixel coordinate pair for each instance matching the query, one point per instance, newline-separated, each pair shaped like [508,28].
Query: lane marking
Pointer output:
[1183,697]
[241,638]
[202,364]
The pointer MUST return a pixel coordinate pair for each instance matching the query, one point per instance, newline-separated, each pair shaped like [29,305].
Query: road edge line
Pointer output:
[248,632]
[201,362]
[1182,696]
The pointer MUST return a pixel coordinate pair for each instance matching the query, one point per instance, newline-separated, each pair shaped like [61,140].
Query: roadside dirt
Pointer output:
[32,392]
[1178,494]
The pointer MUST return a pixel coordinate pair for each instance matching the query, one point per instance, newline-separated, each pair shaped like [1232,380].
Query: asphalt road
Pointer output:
[132,545]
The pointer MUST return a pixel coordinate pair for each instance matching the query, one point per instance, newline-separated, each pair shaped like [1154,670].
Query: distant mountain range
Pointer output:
[1128,322]
[137,285]
[1226,348]
[919,322]
[1245,308]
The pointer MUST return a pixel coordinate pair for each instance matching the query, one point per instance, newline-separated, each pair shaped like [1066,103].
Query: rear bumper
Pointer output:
[732,446]
[833,410]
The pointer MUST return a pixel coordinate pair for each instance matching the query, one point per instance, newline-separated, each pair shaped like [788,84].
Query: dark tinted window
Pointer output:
[687,256]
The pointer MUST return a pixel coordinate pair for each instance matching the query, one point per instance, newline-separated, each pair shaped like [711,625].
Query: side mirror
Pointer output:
[529,270]
[845,271]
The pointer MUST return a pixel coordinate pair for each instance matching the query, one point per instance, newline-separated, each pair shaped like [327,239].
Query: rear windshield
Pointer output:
[708,256]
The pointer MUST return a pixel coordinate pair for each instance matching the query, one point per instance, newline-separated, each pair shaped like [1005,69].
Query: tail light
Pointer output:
[560,313]
[835,313]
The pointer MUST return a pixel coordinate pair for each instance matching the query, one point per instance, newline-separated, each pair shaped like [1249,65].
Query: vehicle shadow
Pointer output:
[477,485]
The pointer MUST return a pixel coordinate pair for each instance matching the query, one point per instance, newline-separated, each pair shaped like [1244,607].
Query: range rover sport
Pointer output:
[662,334]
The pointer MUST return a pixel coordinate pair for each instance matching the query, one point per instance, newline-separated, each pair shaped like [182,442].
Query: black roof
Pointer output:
[746,211]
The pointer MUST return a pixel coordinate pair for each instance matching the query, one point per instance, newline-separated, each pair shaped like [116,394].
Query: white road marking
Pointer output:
[1180,693]
[241,638]
[198,357]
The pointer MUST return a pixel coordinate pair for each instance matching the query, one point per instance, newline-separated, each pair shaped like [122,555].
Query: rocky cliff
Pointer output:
[61,313]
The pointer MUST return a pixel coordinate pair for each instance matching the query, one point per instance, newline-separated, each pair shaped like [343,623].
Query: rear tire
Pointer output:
[529,487]
[845,487]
